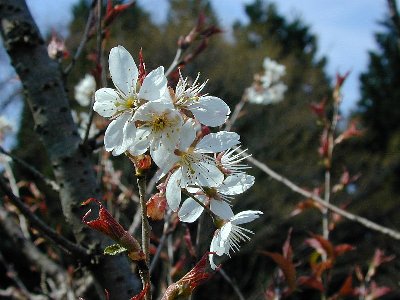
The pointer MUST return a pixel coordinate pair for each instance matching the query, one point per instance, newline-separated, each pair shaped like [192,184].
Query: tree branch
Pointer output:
[74,249]
[363,221]
[35,172]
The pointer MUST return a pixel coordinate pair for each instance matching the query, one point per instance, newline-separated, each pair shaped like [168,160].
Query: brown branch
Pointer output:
[145,273]
[74,249]
[363,221]
[30,251]
[33,170]
[84,39]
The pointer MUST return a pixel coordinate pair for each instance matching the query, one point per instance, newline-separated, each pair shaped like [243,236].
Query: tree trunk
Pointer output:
[74,172]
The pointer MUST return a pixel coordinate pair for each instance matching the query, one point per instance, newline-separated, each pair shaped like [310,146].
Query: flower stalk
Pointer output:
[144,272]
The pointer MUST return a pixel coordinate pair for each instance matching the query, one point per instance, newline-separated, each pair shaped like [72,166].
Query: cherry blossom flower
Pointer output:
[195,167]
[229,236]
[120,104]
[218,198]
[231,161]
[267,87]
[56,48]
[208,110]
[85,89]
[160,124]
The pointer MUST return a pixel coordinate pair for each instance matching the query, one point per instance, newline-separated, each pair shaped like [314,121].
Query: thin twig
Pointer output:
[82,44]
[175,62]
[35,172]
[144,273]
[231,283]
[135,222]
[363,221]
[238,108]
[199,203]
[89,123]
[166,232]
[55,237]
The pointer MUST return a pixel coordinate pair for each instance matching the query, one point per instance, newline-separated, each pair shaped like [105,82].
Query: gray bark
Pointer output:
[45,92]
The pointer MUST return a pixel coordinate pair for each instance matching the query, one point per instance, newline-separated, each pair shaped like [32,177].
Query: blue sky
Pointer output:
[344,27]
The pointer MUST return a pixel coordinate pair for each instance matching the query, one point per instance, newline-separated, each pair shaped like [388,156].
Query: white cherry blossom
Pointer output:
[267,88]
[208,110]
[231,161]
[85,89]
[195,167]
[159,124]
[120,104]
[230,235]
[218,198]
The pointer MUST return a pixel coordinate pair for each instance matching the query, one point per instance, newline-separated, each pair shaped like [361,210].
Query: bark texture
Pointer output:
[45,92]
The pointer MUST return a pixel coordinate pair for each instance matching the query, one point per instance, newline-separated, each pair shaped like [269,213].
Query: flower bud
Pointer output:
[107,225]
[185,286]
[156,206]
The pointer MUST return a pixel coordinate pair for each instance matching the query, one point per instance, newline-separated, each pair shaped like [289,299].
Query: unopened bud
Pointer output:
[156,207]
[142,162]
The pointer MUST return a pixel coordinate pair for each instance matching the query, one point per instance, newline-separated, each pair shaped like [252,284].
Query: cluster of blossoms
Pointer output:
[267,87]
[147,116]
[84,92]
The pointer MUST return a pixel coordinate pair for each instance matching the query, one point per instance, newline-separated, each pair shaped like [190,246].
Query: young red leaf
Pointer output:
[343,248]
[321,245]
[287,267]
[287,248]
[142,294]
[311,282]
[347,287]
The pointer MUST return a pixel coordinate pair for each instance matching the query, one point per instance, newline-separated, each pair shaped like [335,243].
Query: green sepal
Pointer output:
[114,249]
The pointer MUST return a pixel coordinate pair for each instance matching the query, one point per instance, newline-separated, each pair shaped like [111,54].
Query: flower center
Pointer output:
[211,192]
[130,102]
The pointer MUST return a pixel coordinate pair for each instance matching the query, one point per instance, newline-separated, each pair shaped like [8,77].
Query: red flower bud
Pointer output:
[319,108]
[142,68]
[185,286]
[350,132]
[113,11]
[156,206]
[142,294]
[106,224]
[56,48]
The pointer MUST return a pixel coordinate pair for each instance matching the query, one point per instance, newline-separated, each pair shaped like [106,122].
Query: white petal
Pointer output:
[202,174]
[146,111]
[216,243]
[173,191]
[214,247]
[217,142]
[246,216]
[221,209]
[225,233]
[123,70]
[154,85]
[141,142]
[187,135]
[164,158]
[236,184]
[190,210]
[129,136]
[114,135]
[210,111]
[105,100]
